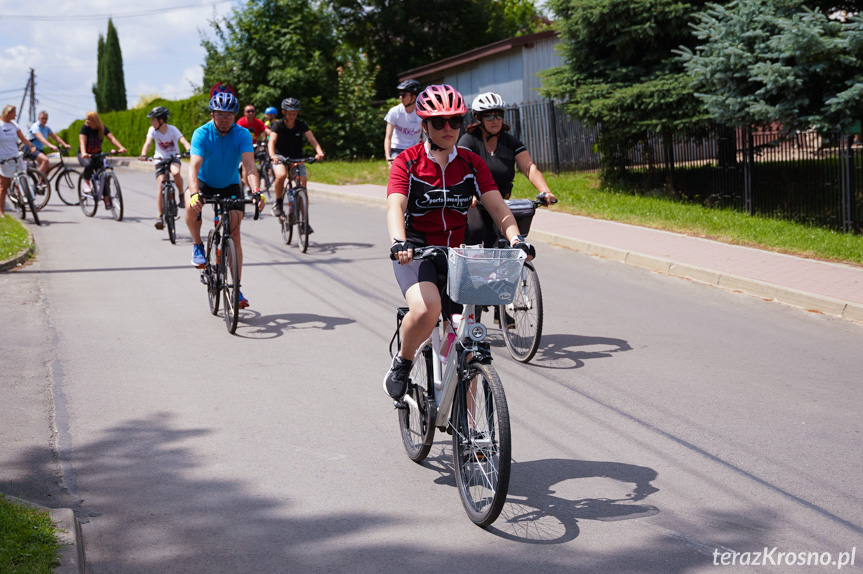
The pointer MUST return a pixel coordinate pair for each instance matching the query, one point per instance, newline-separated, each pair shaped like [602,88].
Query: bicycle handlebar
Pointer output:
[283,160]
[426,252]
[217,200]
[151,158]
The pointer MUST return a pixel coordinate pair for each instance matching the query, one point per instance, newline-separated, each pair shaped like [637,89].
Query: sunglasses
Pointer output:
[439,123]
[405,94]
[495,116]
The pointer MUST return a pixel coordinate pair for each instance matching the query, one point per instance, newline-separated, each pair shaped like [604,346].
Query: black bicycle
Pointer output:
[520,320]
[170,209]
[104,186]
[221,273]
[65,180]
[265,169]
[20,194]
[297,208]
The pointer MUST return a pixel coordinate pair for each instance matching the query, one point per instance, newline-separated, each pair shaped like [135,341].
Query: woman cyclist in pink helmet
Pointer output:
[431,186]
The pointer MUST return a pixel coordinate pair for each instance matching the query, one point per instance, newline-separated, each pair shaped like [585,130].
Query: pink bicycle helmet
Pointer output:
[440,100]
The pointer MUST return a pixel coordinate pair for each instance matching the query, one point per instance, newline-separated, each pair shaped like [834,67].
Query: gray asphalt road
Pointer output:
[662,424]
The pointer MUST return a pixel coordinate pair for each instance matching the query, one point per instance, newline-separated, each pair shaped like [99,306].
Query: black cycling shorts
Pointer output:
[421,270]
[163,167]
[233,190]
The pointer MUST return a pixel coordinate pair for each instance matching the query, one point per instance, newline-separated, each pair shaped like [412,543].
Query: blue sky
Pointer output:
[162,52]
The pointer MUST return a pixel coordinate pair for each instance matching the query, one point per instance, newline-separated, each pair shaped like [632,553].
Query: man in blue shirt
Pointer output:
[217,148]
[38,135]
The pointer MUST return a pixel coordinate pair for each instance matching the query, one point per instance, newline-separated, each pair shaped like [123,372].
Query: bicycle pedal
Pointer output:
[201,266]
[400,405]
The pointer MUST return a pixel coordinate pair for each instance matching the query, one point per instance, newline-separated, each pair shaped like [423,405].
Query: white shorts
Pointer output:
[8,169]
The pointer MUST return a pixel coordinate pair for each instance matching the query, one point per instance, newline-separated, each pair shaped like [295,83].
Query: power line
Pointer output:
[43,18]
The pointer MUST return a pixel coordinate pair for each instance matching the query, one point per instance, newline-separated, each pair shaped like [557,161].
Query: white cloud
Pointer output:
[161,53]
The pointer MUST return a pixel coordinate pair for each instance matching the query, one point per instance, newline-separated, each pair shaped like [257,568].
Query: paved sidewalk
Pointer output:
[831,288]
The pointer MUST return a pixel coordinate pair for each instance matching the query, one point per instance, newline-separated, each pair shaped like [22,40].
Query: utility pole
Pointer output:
[30,87]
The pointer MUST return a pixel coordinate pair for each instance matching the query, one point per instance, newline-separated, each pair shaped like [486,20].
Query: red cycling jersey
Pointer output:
[257,127]
[438,200]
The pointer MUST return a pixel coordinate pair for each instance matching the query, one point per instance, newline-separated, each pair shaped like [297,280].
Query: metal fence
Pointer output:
[808,177]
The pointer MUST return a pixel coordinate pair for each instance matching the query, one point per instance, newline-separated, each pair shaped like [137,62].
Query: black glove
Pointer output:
[400,246]
[526,247]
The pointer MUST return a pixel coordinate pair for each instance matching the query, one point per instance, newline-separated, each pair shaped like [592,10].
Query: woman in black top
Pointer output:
[90,138]
[489,137]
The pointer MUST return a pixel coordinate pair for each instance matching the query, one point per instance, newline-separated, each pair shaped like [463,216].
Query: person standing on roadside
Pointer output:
[403,123]
[39,134]
[10,133]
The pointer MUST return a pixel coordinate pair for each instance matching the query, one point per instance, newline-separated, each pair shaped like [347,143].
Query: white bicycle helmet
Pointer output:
[487,102]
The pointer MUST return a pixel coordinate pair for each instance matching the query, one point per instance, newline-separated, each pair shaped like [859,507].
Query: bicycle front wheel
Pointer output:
[287,229]
[40,186]
[169,212]
[230,284]
[86,198]
[211,273]
[301,208]
[16,197]
[481,443]
[415,418]
[114,195]
[66,186]
[26,199]
[521,321]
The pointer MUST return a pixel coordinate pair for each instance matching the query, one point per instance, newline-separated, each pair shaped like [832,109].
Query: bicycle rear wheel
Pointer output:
[26,199]
[211,273]
[481,443]
[40,186]
[230,284]
[86,199]
[521,320]
[415,419]
[66,186]
[301,208]
[114,194]
[169,211]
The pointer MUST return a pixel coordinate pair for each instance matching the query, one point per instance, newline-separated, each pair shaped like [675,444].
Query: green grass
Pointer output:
[28,544]
[13,237]
[580,193]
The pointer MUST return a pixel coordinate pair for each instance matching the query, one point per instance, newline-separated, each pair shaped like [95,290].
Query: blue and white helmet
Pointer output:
[224,102]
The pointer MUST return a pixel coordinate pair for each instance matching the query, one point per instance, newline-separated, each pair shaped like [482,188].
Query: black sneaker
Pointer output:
[396,380]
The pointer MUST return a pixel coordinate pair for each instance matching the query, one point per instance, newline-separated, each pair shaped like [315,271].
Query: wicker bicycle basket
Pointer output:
[484,276]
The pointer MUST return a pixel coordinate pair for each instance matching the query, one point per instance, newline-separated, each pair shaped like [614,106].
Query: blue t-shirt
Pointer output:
[31,135]
[221,154]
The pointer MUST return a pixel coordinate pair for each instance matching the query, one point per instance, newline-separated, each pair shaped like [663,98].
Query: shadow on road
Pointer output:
[253,325]
[153,508]
[561,351]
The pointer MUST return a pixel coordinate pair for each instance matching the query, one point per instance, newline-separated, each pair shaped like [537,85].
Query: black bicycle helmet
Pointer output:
[411,86]
[291,104]
[224,102]
[160,112]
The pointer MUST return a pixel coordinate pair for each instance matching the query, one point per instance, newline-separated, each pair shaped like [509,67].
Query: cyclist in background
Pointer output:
[431,187]
[90,139]
[38,136]
[403,123]
[217,147]
[256,127]
[168,139]
[270,116]
[286,140]
[10,133]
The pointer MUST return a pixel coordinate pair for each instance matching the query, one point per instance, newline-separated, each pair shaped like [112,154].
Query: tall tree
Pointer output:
[619,69]
[273,49]
[399,35]
[765,61]
[110,88]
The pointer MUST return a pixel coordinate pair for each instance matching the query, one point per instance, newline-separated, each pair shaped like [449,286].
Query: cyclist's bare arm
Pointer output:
[397,204]
[534,176]
[248,159]
[271,145]
[496,207]
[195,163]
[319,152]
[186,143]
[145,149]
[44,140]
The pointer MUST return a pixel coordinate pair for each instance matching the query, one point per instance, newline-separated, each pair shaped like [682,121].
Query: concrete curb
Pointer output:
[22,256]
[768,291]
[68,535]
